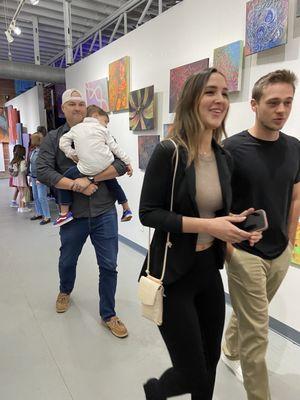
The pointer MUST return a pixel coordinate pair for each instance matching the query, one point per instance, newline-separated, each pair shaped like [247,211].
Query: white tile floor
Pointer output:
[46,356]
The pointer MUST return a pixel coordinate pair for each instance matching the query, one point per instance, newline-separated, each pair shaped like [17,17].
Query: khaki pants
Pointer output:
[253,281]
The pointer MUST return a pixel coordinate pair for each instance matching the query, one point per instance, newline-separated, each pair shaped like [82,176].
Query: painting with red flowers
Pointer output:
[119,84]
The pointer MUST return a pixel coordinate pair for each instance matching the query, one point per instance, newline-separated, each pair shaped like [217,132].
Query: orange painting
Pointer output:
[119,84]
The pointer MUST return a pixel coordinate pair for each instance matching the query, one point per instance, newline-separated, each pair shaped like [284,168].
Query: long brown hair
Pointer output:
[19,154]
[187,123]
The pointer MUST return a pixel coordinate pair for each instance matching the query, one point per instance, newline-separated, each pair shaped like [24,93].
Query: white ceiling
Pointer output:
[86,14]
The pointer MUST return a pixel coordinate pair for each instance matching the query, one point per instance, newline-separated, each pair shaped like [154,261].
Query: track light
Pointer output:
[34,2]
[9,36]
[17,30]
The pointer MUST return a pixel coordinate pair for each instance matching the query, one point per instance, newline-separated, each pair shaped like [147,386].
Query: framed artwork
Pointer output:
[179,75]
[119,84]
[167,128]
[97,93]
[141,109]
[266,25]
[229,60]
[296,250]
[4,137]
[146,145]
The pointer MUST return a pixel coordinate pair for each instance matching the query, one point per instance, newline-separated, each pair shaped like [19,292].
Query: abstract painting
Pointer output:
[167,129]
[266,25]
[97,93]
[119,84]
[146,145]
[179,75]
[296,250]
[141,109]
[229,60]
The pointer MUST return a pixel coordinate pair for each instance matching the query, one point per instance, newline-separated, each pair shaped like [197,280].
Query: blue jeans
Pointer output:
[39,192]
[65,197]
[103,231]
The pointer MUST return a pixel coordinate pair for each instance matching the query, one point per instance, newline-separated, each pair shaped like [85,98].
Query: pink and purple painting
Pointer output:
[266,25]
[179,75]
[97,93]
[229,60]
[146,145]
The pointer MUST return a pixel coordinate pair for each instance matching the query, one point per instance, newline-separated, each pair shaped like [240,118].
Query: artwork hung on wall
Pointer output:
[179,75]
[141,109]
[119,84]
[167,128]
[97,93]
[296,250]
[146,145]
[229,60]
[266,25]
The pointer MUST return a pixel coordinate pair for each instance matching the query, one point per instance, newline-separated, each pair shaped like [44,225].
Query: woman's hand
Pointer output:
[223,228]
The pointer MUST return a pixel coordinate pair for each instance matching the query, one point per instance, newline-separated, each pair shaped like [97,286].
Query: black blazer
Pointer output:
[155,206]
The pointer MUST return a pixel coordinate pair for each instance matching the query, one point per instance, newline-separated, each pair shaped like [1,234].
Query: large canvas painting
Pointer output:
[296,251]
[146,145]
[141,109]
[229,60]
[266,25]
[97,93]
[119,84]
[179,75]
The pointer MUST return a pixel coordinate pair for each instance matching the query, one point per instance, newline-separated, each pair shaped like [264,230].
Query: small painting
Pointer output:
[179,75]
[167,130]
[266,25]
[97,93]
[119,84]
[229,60]
[146,145]
[141,109]
[296,250]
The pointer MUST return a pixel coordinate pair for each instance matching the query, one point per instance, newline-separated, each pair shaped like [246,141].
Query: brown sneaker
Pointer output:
[62,302]
[116,326]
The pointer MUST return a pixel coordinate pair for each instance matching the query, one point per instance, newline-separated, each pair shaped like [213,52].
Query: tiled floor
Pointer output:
[46,356]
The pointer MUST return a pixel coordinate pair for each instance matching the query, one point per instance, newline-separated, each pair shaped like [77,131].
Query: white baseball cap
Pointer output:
[71,95]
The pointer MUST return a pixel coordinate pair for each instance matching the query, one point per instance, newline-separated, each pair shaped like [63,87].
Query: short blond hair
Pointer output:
[36,139]
[278,76]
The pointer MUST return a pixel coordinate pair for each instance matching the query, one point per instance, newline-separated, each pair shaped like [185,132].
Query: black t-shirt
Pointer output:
[263,177]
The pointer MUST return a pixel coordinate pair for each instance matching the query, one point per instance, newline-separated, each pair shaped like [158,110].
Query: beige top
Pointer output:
[208,191]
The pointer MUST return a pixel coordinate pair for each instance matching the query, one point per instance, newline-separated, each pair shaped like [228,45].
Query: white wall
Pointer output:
[28,105]
[189,32]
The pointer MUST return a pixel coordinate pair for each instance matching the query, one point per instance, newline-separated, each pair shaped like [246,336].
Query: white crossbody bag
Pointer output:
[150,289]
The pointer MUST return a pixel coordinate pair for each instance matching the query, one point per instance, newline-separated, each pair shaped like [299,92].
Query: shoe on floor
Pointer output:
[126,216]
[45,221]
[62,302]
[24,209]
[116,326]
[35,217]
[234,365]
[152,391]
[63,219]
[13,203]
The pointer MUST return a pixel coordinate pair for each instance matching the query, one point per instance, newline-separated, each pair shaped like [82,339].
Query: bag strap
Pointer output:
[168,243]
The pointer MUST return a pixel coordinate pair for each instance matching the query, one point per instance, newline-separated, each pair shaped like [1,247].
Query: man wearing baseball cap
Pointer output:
[94,213]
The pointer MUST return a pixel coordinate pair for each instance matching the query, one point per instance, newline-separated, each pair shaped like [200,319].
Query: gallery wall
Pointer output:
[186,33]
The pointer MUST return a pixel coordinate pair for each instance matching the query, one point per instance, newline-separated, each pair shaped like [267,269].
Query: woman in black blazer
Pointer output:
[194,306]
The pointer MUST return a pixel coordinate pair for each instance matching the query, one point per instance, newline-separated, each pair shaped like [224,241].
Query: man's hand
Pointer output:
[129,170]
[80,184]
[91,189]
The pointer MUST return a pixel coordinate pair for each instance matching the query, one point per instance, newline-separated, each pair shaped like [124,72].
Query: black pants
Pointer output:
[194,311]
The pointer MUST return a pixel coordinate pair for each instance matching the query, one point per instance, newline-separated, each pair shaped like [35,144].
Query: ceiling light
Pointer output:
[34,2]
[9,36]
[17,30]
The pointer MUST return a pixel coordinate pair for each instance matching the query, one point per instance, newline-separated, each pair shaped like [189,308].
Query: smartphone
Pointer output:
[256,221]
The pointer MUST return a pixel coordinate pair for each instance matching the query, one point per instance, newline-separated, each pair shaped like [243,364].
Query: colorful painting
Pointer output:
[97,93]
[146,145]
[167,129]
[229,60]
[141,109]
[119,84]
[4,138]
[179,75]
[266,25]
[296,251]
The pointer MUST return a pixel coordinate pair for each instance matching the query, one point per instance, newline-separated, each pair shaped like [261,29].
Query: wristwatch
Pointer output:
[91,179]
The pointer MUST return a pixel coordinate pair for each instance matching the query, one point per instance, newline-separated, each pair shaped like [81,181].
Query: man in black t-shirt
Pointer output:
[266,176]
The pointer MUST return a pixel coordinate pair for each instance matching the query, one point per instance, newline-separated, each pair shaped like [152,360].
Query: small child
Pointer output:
[94,152]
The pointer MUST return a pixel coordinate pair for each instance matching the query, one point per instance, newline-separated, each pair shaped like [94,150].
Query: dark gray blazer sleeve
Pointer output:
[46,172]
[156,190]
